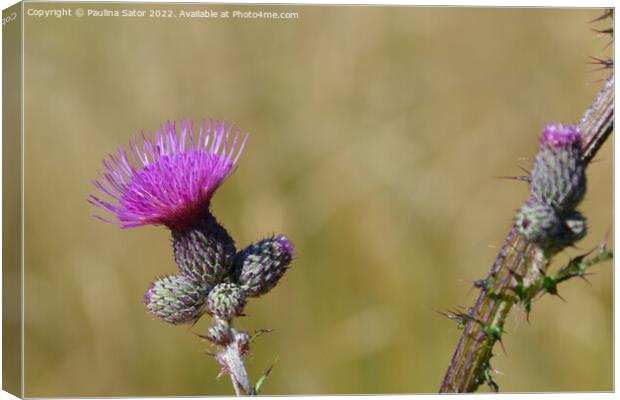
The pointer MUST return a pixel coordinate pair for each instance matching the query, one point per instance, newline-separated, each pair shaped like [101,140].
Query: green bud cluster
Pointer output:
[215,279]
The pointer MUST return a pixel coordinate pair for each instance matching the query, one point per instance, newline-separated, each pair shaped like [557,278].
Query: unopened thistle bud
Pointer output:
[260,266]
[176,299]
[205,252]
[538,223]
[558,176]
[226,301]
[219,332]
[541,224]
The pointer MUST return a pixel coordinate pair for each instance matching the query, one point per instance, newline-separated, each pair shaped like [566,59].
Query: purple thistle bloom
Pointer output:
[560,136]
[170,178]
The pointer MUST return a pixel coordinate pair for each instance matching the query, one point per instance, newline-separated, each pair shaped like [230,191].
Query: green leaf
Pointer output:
[263,378]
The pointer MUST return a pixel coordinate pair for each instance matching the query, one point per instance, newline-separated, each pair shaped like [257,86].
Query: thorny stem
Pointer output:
[598,121]
[484,322]
[231,359]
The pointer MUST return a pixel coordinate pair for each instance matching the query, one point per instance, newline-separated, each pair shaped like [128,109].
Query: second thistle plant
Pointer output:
[547,223]
[169,179]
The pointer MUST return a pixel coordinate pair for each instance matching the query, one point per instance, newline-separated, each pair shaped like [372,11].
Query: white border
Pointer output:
[506,3]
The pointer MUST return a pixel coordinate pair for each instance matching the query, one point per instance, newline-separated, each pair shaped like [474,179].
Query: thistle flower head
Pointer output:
[558,176]
[168,179]
[204,252]
[176,299]
[260,266]
[538,223]
[541,224]
[226,301]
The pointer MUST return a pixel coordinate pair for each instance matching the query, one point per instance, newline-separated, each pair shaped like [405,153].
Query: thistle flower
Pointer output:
[205,252]
[557,186]
[541,224]
[538,223]
[176,299]
[168,179]
[558,177]
[226,301]
[260,266]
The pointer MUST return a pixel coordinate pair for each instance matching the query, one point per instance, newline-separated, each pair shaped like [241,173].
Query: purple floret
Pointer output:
[168,179]
[559,135]
[287,246]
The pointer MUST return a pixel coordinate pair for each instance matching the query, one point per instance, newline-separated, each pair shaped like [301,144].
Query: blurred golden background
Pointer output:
[377,134]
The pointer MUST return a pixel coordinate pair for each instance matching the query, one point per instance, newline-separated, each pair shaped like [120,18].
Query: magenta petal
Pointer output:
[558,135]
[166,178]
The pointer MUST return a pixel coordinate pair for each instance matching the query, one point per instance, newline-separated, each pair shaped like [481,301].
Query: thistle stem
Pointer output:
[484,323]
[597,122]
[231,358]
[235,386]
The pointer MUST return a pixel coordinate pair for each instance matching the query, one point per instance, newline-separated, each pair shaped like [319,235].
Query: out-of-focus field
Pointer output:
[377,136]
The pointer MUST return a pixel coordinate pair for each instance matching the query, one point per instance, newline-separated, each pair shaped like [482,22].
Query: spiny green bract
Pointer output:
[226,301]
[176,299]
